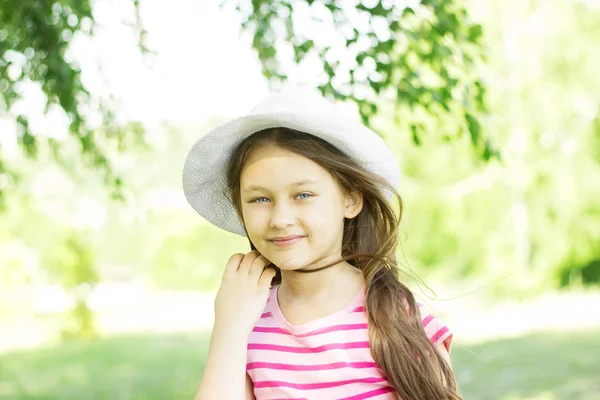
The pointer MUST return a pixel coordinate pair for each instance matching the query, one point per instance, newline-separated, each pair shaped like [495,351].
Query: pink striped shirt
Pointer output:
[328,358]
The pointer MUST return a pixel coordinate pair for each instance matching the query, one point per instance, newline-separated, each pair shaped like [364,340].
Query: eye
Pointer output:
[304,196]
[259,200]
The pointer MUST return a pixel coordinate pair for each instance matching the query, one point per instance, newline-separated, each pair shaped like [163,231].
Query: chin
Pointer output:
[290,264]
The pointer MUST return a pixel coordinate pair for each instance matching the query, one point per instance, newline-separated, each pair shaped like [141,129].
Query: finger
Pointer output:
[233,264]
[258,266]
[264,283]
[247,261]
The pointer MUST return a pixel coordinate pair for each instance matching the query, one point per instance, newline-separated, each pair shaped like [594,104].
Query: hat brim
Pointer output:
[204,171]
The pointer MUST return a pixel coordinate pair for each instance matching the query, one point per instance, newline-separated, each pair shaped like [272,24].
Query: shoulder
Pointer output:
[435,329]
[271,307]
[271,300]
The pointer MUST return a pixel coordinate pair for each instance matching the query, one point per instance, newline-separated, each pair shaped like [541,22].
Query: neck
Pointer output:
[302,287]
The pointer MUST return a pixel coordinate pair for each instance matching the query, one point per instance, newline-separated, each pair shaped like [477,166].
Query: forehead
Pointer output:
[273,166]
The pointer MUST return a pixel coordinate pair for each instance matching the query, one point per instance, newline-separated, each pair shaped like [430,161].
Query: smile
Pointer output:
[286,241]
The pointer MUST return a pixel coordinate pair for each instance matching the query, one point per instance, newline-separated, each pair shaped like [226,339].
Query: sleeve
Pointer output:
[435,329]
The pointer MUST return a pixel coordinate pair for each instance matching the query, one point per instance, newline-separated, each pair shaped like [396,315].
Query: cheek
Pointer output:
[324,220]
[255,221]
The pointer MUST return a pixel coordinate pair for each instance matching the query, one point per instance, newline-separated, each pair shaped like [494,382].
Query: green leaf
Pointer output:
[473,127]
[378,9]
[475,33]
[414,129]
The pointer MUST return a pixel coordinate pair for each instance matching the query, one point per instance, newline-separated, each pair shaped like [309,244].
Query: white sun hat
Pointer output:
[298,108]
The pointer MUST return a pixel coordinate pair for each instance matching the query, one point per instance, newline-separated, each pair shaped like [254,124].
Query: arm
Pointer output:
[441,348]
[238,305]
[225,371]
[249,389]
[438,333]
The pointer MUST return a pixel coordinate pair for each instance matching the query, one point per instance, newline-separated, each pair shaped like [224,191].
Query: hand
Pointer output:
[243,293]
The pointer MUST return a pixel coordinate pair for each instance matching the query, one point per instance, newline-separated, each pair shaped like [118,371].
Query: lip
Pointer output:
[285,241]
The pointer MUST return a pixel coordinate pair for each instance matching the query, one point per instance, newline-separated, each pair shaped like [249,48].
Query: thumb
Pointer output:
[264,283]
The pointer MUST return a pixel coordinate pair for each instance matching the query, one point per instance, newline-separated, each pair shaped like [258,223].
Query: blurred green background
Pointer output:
[493,108]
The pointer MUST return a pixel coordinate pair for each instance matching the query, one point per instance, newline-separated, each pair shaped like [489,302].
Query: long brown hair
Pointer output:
[397,338]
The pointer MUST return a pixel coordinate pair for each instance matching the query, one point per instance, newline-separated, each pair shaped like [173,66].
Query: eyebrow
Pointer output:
[295,184]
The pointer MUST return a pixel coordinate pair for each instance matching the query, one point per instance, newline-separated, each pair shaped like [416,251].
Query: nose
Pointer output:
[282,216]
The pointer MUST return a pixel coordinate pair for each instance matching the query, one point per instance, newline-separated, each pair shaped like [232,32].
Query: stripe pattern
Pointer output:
[328,358]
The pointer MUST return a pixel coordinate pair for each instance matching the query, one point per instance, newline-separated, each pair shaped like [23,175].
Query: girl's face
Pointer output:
[293,208]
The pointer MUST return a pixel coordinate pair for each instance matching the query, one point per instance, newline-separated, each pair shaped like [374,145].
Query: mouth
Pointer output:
[286,241]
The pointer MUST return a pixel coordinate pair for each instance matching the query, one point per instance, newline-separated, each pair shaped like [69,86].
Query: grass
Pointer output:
[125,367]
[542,366]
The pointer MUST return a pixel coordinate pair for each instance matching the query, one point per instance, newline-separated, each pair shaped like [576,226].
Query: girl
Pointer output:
[315,310]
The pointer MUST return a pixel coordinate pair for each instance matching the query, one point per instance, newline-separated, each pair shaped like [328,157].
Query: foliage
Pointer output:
[422,56]
[75,262]
[76,268]
[34,52]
